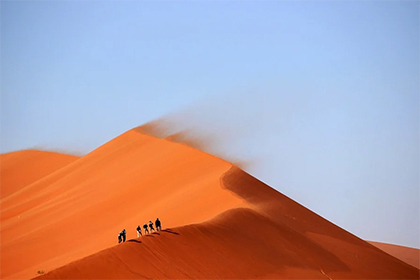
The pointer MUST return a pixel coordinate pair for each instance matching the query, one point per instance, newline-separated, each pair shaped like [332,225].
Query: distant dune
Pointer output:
[406,254]
[19,169]
[220,222]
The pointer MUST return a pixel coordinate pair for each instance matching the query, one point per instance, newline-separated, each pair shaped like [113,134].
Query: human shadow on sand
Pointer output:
[134,240]
[168,230]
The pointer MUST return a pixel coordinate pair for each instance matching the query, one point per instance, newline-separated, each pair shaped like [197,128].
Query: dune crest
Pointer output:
[406,254]
[237,244]
[21,168]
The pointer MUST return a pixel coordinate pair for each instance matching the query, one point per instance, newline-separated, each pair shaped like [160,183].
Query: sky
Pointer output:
[320,97]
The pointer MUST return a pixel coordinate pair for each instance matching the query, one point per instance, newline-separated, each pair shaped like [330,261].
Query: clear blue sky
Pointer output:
[322,95]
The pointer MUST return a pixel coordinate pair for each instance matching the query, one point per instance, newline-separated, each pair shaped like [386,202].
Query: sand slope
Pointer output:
[19,169]
[406,254]
[226,224]
[228,247]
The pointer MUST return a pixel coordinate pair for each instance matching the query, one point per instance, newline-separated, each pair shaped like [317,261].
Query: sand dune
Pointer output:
[80,209]
[19,169]
[225,223]
[406,254]
[228,246]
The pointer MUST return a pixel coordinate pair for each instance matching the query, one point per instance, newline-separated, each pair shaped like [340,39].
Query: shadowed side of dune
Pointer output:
[281,208]
[357,254]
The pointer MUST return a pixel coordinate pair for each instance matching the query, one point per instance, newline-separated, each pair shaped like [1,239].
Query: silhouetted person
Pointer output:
[145,228]
[157,224]
[138,231]
[124,235]
[119,237]
[151,226]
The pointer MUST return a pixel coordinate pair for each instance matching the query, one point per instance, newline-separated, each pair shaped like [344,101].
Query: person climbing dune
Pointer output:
[124,235]
[119,237]
[138,231]
[151,226]
[145,228]
[158,224]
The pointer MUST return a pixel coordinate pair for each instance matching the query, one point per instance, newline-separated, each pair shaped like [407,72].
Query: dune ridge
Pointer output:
[406,254]
[225,223]
[228,247]
[21,168]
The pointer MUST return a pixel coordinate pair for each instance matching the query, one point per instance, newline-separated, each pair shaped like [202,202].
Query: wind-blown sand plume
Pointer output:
[192,129]
[19,169]
[406,254]
[225,223]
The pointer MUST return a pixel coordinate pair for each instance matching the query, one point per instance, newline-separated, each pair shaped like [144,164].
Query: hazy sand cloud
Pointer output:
[228,125]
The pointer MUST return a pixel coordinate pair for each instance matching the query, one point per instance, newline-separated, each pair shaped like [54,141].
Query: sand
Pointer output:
[226,247]
[406,254]
[223,222]
[21,168]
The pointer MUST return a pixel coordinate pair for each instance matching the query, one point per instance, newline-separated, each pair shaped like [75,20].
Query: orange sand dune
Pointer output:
[230,224]
[238,244]
[406,254]
[19,169]
[80,209]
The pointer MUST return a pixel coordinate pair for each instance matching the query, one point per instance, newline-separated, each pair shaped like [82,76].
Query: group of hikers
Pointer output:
[123,234]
